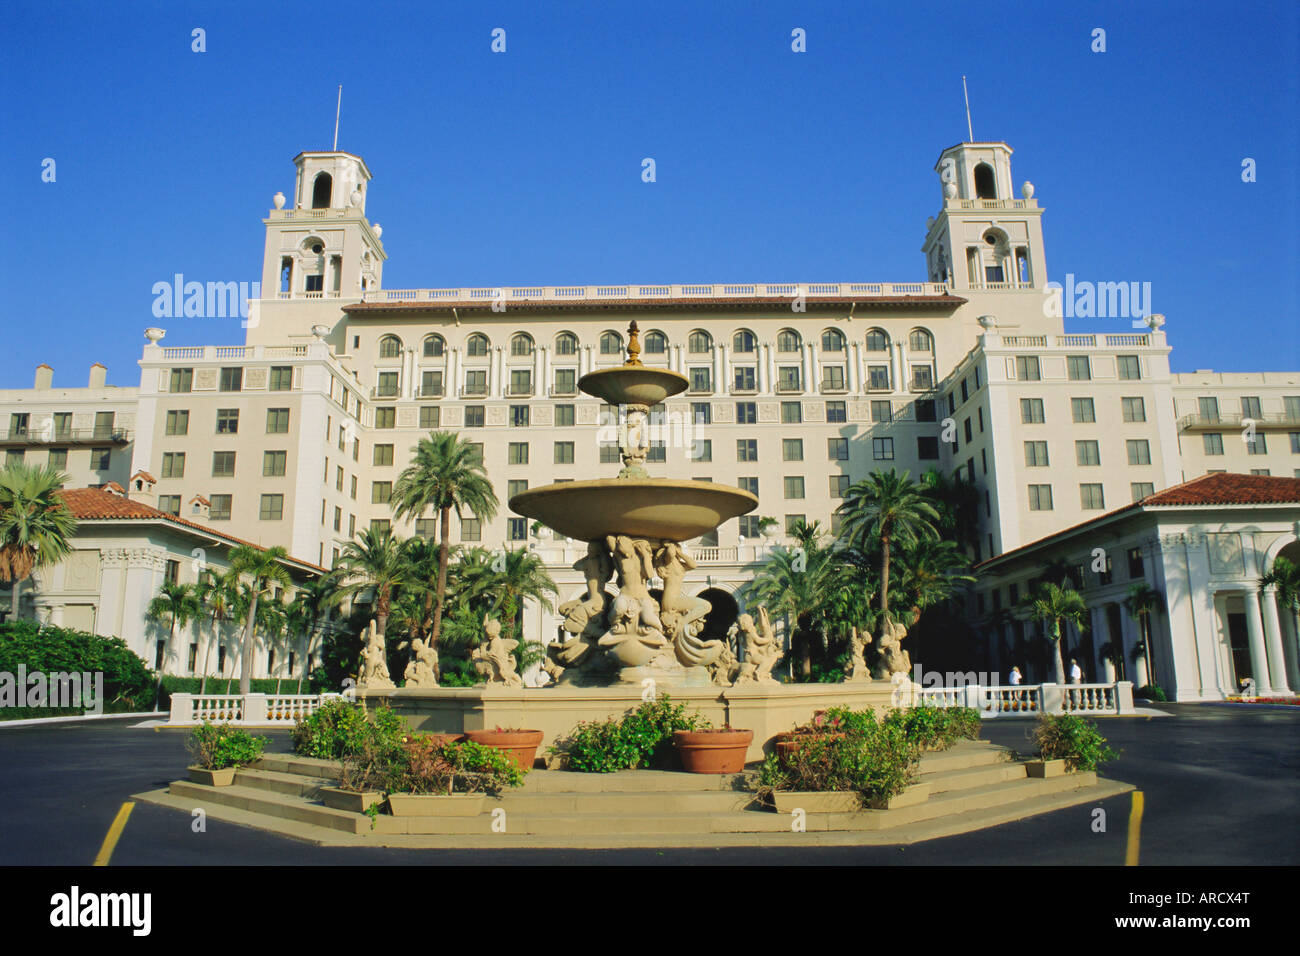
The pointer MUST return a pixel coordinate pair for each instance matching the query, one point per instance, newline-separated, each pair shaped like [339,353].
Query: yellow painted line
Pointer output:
[114,833]
[1134,830]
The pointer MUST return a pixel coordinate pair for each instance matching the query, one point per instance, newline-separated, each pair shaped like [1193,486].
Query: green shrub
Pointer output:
[339,728]
[936,728]
[429,766]
[876,761]
[1151,692]
[218,746]
[128,683]
[1077,741]
[642,738]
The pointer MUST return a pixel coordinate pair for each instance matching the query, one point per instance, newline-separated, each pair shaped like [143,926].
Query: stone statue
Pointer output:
[725,669]
[893,659]
[635,631]
[583,618]
[422,671]
[762,649]
[683,617]
[374,658]
[494,659]
[857,667]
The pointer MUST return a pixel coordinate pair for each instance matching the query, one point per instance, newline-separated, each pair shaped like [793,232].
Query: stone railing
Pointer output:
[226,353]
[843,290]
[1008,700]
[253,710]
[1071,341]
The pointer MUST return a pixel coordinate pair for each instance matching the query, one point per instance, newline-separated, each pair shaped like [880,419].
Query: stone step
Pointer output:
[955,802]
[630,802]
[301,766]
[967,778]
[629,781]
[972,753]
[270,804]
[292,784]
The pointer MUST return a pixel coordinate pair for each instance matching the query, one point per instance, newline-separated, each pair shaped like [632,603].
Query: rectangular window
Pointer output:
[519,417]
[833,377]
[471,529]
[517,453]
[63,424]
[1139,451]
[882,411]
[1257,444]
[1250,406]
[789,378]
[609,454]
[386,417]
[58,459]
[1212,443]
[173,464]
[227,421]
[219,507]
[1135,409]
[474,416]
[746,449]
[14,457]
[657,452]
[178,422]
[476,381]
[701,449]
[748,484]
[792,449]
[426,527]
[922,378]
[223,464]
[1129,369]
[701,378]
[338,479]
[277,421]
[1040,497]
[1260,471]
[1031,411]
[1082,410]
[521,381]
[564,417]
[837,449]
[878,378]
[1027,368]
[1036,454]
[793,486]
[837,412]
[383,455]
[1087,453]
[745,378]
[517,529]
[281,378]
[701,413]
[839,485]
[232,379]
[746,413]
[1141,489]
[882,449]
[274,464]
[566,381]
[1208,409]
[431,383]
[927,448]
[967,428]
[387,385]
[272,508]
[172,572]
[564,453]
[101,458]
[1291,407]
[749,526]
[792,523]
[1295,443]
[1136,567]
[1090,497]
[791,413]
[380,525]
[170,504]
[182,380]
[381,492]
[1078,368]
[514,486]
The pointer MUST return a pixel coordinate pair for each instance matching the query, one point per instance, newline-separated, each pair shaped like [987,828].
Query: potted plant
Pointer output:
[219,750]
[519,745]
[1066,744]
[869,766]
[369,746]
[445,779]
[713,749]
[769,527]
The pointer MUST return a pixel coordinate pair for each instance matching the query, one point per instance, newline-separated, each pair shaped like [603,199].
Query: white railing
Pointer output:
[1073,341]
[1008,700]
[256,710]
[1091,698]
[992,203]
[217,353]
[844,290]
[1011,699]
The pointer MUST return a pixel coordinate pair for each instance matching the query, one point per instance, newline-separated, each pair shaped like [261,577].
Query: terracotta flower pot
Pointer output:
[445,738]
[713,751]
[519,745]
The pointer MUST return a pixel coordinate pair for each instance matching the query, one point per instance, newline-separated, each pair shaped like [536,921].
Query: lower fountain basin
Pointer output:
[638,507]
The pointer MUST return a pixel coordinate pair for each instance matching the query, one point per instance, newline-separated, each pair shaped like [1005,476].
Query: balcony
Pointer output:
[474,391]
[834,386]
[519,391]
[431,391]
[789,387]
[1228,421]
[66,436]
[563,391]
[380,391]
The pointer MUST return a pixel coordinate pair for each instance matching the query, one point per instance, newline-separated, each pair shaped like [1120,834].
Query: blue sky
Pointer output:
[525,167]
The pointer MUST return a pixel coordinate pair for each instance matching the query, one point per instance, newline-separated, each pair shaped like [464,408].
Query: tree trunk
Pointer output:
[1055,635]
[157,694]
[444,534]
[246,652]
[884,581]
[17,607]
[1146,644]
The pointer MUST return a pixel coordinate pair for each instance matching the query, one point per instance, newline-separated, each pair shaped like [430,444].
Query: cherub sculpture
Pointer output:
[422,671]
[762,650]
[493,659]
[374,658]
[893,659]
[857,667]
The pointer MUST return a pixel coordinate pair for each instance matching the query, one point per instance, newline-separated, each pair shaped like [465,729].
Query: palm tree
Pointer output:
[1143,600]
[376,561]
[524,576]
[266,568]
[888,508]
[956,500]
[36,527]
[801,586]
[309,613]
[929,573]
[446,473]
[177,604]
[1054,605]
[216,598]
[1284,576]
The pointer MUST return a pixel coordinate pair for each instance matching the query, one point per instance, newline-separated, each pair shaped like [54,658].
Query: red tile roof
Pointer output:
[1207,491]
[95,504]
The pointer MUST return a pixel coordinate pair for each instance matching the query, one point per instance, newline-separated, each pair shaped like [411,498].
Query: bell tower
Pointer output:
[985,237]
[322,246]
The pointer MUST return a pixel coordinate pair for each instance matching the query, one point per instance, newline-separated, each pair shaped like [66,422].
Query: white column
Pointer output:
[538,371]
[1258,653]
[717,372]
[724,380]
[771,367]
[815,382]
[807,366]
[760,361]
[1273,640]
[855,365]
[499,373]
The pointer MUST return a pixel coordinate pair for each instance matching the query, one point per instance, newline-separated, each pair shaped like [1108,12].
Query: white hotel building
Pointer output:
[296,436]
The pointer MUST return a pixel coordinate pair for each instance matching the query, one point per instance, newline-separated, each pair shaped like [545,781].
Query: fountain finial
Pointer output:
[633,346]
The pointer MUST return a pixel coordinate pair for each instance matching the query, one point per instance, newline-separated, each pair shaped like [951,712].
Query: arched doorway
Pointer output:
[719,620]
[322,189]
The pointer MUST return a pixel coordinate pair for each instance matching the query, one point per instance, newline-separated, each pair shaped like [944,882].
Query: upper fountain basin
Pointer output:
[639,507]
[633,384]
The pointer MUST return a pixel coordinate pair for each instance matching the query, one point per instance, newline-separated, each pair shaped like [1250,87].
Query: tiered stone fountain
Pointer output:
[627,646]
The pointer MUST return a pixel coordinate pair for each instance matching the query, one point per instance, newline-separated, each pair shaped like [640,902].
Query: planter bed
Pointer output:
[212,778]
[847,801]
[428,805]
[356,801]
[1042,769]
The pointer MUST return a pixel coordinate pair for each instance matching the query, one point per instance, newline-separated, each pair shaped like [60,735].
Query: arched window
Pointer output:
[787,340]
[434,346]
[920,341]
[832,341]
[611,343]
[877,340]
[743,341]
[984,183]
[566,343]
[321,191]
[699,342]
[521,344]
[390,346]
[656,343]
[476,345]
